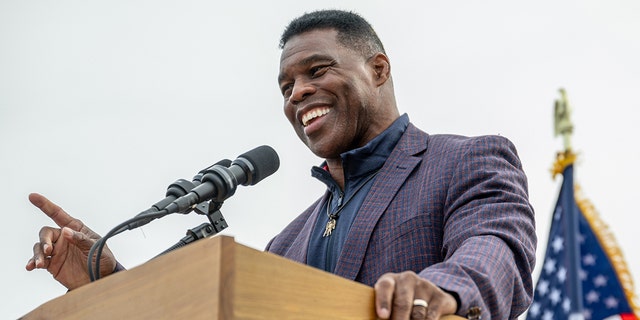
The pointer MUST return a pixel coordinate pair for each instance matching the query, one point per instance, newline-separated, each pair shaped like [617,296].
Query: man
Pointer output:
[438,224]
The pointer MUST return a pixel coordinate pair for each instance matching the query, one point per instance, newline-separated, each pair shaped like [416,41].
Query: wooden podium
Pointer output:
[215,278]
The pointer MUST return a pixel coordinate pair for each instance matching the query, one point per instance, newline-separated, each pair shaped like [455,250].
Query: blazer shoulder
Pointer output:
[460,143]
[461,140]
[418,135]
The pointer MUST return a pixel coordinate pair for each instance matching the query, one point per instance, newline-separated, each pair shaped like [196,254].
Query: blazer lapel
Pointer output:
[395,171]
[299,248]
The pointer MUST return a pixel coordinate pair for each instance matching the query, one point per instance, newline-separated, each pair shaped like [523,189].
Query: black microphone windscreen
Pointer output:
[264,160]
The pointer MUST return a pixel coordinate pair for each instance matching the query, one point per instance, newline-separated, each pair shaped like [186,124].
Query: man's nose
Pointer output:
[301,90]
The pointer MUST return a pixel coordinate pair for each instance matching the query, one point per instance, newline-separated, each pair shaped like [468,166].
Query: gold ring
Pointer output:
[420,302]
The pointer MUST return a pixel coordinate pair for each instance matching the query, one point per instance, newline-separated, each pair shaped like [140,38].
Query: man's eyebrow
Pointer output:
[314,58]
[307,61]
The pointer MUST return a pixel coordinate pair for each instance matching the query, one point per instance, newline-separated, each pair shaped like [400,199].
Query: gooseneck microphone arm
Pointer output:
[194,234]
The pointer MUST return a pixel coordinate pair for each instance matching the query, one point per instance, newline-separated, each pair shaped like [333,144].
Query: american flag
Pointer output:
[589,280]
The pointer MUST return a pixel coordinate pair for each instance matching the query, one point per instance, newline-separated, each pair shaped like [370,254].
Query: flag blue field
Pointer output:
[584,275]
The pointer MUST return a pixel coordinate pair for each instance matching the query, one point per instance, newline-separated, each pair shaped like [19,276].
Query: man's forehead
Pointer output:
[312,37]
[308,47]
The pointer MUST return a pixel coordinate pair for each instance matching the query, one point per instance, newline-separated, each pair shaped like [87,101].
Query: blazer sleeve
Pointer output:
[489,231]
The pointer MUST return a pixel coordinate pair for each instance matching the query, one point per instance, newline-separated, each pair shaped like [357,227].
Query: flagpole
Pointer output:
[564,127]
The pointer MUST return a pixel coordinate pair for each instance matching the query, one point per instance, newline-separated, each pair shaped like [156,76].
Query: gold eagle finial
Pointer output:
[564,127]
[562,119]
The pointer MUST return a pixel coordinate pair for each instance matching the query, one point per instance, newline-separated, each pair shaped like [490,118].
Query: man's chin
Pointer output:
[324,151]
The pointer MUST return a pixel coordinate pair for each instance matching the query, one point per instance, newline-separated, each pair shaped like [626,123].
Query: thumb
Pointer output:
[78,239]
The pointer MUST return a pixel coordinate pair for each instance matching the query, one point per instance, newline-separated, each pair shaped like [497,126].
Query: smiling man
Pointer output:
[438,224]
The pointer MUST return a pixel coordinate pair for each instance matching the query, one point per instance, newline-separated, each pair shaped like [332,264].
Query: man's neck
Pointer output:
[336,171]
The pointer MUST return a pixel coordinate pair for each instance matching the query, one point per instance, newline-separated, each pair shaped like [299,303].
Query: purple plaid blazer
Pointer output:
[453,209]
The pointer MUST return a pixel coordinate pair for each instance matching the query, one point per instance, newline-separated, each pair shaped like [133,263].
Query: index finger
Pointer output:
[52,210]
[384,289]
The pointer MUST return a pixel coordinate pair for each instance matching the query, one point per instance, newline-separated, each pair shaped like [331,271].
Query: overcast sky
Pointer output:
[104,104]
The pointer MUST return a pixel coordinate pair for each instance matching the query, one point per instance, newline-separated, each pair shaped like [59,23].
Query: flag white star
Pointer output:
[592,297]
[562,274]
[581,238]
[543,287]
[566,305]
[550,266]
[558,244]
[558,213]
[583,274]
[600,281]
[611,302]
[589,260]
[555,296]
[534,310]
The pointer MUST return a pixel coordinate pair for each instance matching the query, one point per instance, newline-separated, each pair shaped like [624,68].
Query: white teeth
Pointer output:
[313,114]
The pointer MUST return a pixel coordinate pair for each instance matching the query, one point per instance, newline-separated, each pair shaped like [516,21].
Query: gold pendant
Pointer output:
[331,225]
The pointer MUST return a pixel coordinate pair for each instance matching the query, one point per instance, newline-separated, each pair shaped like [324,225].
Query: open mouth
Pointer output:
[310,116]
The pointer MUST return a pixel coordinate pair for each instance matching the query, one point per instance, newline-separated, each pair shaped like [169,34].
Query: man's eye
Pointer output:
[286,90]
[317,71]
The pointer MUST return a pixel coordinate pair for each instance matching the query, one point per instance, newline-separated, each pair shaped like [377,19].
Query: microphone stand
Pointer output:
[212,210]
[194,234]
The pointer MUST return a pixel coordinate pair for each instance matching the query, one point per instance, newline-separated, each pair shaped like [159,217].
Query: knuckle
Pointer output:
[423,285]
[43,231]
[419,313]
[431,314]
[407,276]
[401,305]
[46,234]
[384,282]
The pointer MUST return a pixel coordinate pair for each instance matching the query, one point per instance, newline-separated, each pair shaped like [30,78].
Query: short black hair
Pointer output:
[354,32]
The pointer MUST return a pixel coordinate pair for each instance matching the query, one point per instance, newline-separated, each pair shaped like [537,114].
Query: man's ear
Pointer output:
[381,68]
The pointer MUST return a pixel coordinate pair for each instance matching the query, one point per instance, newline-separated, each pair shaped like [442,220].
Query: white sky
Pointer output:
[104,104]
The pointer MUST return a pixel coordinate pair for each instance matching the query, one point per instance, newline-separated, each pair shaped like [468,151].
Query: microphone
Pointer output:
[181,186]
[219,182]
[197,179]
[175,190]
